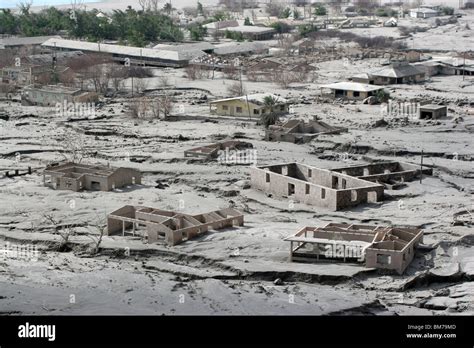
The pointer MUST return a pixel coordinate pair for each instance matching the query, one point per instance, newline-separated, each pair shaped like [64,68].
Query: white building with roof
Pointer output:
[350,90]
[136,55]
[423,13]
[249,106]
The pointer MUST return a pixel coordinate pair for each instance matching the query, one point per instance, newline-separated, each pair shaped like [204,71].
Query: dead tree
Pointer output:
[139,107]
[236,89]
[117,75]
[73,145]
[166,105]
[96,237]
[65,232]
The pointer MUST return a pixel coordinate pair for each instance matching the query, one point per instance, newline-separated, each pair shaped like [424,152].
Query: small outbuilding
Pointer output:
[423,13]
[432,111]
[350,90]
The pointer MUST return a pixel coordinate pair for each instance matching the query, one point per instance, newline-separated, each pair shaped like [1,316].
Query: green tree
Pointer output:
[197,32]
[320,10]
[247,21]
[382,96]
[200,9]
[271,117]
[8,22]
[307,29]
[220,16]
[168,8]
[234,35]
[281,27]
[285,13]
[296,14]
[447,11]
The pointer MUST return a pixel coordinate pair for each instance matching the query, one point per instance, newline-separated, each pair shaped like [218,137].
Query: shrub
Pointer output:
[281,27]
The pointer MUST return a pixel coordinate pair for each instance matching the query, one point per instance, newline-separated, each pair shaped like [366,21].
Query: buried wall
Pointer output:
[123,177]
[385,171]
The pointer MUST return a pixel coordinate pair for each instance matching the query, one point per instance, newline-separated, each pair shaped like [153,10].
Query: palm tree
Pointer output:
[271,117]
[168,8]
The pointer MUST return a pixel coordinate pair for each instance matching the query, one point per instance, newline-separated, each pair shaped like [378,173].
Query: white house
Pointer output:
[423,13]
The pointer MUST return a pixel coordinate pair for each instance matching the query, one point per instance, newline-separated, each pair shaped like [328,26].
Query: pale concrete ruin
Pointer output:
[55,95]
[213,151]
[78,177]
[387,173]
[299,131]
[382,247]
[314,186]
[175,227]
[432,111]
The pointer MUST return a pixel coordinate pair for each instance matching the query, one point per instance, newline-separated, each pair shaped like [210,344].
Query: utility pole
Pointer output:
[464,66]
[240,80]
[421,168]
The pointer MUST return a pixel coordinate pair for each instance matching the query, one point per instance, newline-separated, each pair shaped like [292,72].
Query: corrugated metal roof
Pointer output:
[352,86]
[24,41]
[122,50]
[196,46]
[239,47]
[397,71]
[423,10]
[222,24]
[252,29]
[258,98]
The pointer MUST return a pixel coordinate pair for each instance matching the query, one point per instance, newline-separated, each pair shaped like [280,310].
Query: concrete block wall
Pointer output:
[114,226]
[278,186]
[322,188]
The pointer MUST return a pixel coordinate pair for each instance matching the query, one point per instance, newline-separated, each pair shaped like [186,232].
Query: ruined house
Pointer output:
[265,69]
[305,46]
[78,177]
[385,172]
[299,131]
[445,65]
[153,224]
[28,74]
[213,151]
[350,90]
[356,23]
[314,186]
[383,247]
[249,106]
[54,94]
[397,73]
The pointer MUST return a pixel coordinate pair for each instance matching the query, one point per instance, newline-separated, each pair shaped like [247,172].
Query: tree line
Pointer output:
[137,28]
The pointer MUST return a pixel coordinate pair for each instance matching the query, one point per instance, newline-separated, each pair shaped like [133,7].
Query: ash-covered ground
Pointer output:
[239,270]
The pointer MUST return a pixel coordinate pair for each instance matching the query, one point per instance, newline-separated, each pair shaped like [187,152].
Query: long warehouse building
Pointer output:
[136,55]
